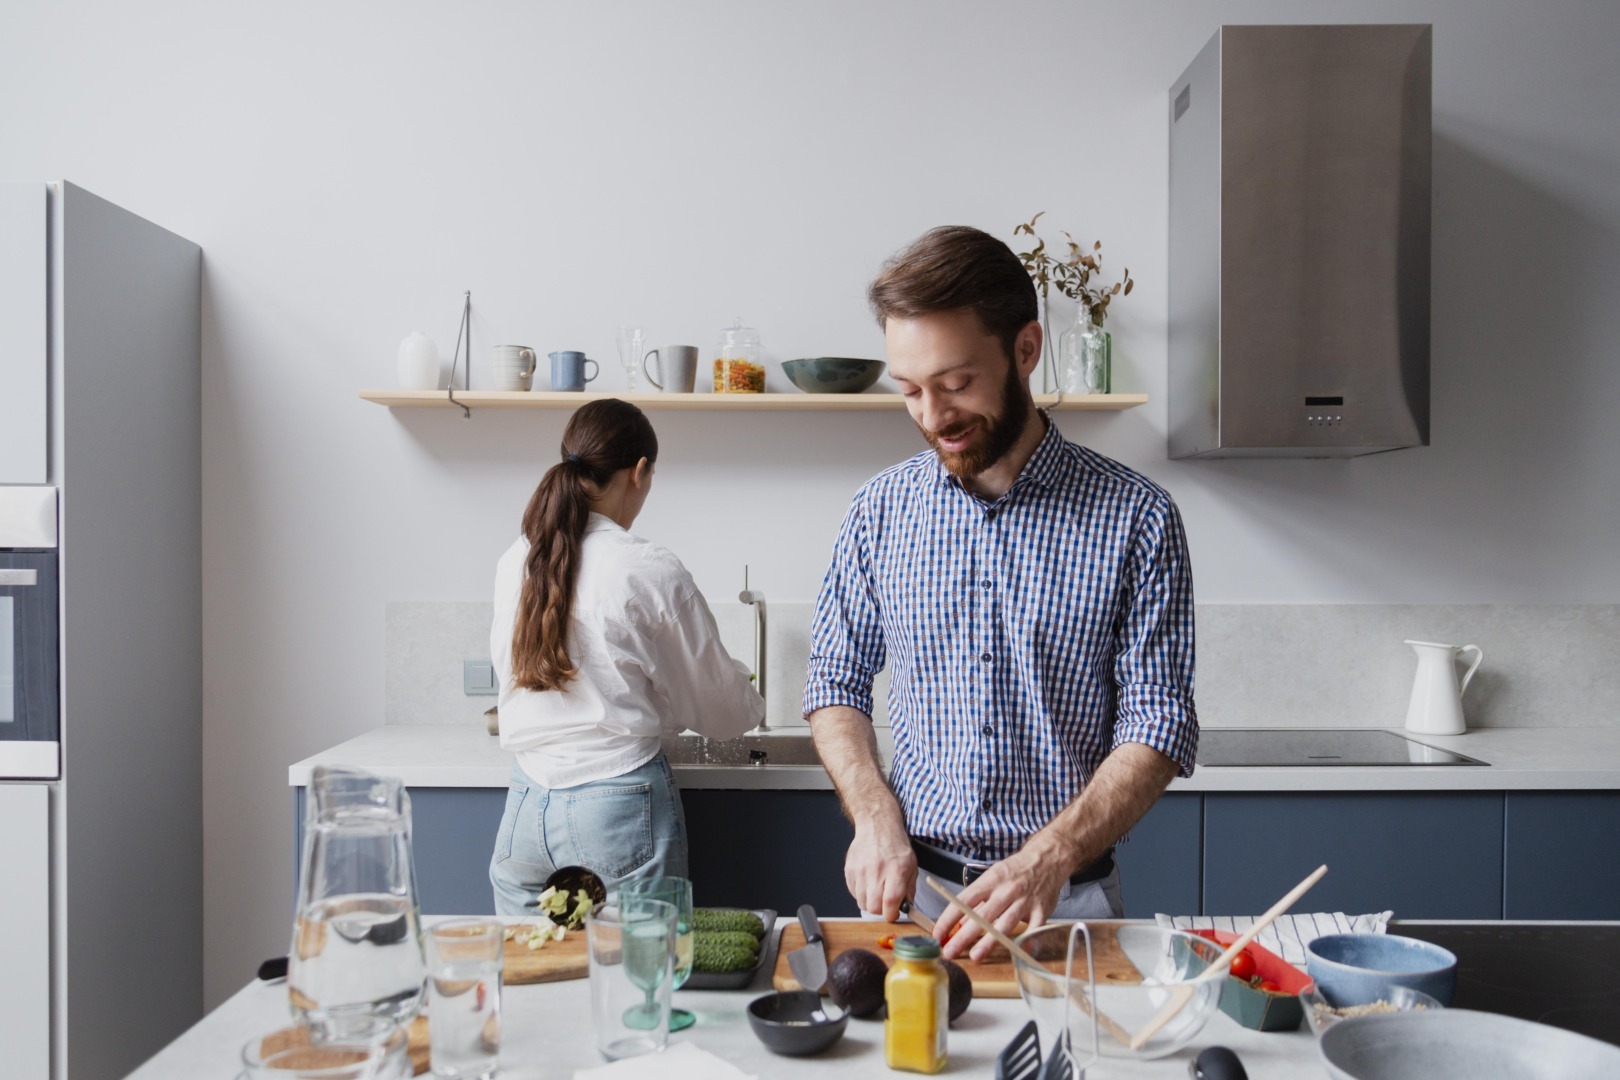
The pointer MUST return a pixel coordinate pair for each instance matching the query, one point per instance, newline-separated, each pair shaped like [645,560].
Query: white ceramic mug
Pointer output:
[677,368]
[512,367]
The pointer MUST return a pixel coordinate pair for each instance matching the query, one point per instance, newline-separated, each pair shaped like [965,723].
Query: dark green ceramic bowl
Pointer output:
[832,374]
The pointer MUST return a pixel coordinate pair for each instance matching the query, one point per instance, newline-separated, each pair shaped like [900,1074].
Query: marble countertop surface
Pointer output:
[548,1034]
[1520,759]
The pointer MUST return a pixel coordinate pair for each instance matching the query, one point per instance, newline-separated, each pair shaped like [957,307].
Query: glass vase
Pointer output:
[1085,359]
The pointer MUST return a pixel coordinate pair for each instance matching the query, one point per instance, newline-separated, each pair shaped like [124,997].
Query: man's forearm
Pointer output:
[848,747]
[1125,786]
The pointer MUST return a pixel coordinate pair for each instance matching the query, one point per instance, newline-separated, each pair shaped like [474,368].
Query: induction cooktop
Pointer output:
[1293,747]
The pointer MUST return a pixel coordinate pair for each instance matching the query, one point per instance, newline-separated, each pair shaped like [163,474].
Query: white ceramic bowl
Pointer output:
[1171,964]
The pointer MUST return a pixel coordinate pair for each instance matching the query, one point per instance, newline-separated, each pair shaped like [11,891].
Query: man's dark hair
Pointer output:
[955,267]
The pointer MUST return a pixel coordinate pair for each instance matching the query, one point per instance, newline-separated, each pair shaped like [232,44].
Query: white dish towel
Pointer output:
[683,1061]
[1287,936]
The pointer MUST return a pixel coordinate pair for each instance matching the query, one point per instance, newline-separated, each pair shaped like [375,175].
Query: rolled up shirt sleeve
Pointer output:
[846,635]
[705,688]
[1153,666]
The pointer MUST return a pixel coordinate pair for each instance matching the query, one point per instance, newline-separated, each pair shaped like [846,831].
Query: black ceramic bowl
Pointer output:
[832,374]
[796,1022]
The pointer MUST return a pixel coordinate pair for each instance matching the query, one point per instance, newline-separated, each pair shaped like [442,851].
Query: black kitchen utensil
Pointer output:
[1021,1059]
[1058,1066]
[273,969]
[571,879]
[1217,1063]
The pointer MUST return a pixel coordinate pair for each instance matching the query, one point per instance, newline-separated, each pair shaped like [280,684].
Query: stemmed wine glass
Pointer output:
[631,341]
[649,948]
[676,891]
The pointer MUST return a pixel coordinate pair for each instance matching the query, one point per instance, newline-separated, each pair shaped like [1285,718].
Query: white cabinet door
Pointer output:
[23,361]
[25,914]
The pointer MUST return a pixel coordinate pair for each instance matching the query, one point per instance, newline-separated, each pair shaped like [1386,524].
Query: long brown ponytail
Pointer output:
[601,438]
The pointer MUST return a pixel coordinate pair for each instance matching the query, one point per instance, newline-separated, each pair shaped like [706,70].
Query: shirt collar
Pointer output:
[601,523]
[1043,468]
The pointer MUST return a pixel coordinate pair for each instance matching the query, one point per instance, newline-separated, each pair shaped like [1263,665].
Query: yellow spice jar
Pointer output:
[918,994]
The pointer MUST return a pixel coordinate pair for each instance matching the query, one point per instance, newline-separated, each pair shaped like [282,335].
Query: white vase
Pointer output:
[419,365]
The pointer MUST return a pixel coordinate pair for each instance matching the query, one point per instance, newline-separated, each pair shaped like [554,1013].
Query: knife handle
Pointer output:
[811,926]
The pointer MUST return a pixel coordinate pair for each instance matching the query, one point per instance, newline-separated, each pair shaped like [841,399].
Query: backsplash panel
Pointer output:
[1259,665]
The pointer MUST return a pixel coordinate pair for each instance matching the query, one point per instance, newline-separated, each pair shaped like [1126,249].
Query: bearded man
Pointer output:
[1034,601]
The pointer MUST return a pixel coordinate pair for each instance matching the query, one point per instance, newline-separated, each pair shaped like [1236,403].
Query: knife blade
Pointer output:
[809,964]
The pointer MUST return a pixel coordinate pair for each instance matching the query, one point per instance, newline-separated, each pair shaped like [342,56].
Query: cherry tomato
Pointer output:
[1270,987]
[1242,966]
[886,941]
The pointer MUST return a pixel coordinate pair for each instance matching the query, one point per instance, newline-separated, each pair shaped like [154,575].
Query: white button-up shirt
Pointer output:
[649,658]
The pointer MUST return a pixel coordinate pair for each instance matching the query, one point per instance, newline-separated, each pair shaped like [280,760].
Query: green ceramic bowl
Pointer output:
[832,374]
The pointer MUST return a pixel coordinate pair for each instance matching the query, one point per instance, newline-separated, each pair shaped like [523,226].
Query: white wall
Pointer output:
[350,168]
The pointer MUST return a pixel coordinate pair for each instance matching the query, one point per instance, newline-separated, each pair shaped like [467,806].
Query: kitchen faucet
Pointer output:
[757,599]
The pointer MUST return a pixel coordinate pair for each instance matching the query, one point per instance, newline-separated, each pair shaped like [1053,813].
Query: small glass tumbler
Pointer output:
[290,1055]
[464,998]
[631,946]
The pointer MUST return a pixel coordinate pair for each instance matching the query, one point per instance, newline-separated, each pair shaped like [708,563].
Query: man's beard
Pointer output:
[996,437]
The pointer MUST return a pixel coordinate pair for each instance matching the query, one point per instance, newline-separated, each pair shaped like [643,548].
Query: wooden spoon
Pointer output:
[1183,991]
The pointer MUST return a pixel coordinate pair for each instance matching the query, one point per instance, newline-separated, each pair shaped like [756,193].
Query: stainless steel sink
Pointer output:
[759,751]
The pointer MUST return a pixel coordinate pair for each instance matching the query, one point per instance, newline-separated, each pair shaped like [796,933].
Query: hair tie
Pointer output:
[573,459]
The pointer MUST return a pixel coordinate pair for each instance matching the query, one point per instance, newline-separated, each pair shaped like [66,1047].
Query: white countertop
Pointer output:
[547,1029]
[1521,759]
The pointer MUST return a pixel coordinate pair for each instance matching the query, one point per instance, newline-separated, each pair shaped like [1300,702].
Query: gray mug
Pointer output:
[677,368]
[568,370]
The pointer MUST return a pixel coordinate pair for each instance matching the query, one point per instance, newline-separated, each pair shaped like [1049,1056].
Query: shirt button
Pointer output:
[987,583]
[989,729]
[986,657]
[986,804]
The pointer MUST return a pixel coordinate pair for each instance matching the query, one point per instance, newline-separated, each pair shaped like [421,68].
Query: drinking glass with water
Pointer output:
[464,998]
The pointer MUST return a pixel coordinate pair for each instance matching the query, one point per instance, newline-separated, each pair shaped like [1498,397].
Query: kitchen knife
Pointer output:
[809,964]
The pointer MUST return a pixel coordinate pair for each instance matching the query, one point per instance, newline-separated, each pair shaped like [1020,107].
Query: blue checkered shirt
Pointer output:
[1028,636]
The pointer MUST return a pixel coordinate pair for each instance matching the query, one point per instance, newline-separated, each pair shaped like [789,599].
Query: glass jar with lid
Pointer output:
[917,992]
[739,361]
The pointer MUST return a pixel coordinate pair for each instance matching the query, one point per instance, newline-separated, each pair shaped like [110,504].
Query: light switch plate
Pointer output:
[478,678]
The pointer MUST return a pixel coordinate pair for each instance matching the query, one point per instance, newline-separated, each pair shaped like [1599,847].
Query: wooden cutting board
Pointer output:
[555,961]
[993,977]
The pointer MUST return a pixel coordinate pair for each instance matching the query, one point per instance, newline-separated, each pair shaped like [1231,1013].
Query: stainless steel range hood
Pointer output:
[1299,243]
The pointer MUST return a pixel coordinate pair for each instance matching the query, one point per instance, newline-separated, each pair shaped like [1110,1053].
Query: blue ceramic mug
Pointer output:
[568,370]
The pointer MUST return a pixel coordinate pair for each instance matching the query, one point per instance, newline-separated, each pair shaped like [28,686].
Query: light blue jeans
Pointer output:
[625,827]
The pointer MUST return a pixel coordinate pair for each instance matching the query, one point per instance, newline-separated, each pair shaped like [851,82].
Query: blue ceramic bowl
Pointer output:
[1353,969]
[832,374]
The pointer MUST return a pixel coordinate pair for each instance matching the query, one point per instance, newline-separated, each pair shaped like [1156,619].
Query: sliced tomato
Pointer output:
[1270,987]
[886,941]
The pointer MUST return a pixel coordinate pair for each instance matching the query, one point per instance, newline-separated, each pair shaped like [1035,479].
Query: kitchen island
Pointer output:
[547,1036]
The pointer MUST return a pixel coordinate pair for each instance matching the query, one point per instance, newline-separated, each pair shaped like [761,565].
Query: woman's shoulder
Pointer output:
[643,575]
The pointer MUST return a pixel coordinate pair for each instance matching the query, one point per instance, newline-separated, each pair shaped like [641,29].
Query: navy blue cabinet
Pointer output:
[1427,855]
[1160,864]
[775,849]
[1563,855]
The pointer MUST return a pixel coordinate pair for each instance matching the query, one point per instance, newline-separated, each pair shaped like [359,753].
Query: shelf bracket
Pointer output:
[464,330]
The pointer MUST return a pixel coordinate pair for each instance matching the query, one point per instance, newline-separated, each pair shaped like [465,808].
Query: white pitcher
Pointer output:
[1436,706]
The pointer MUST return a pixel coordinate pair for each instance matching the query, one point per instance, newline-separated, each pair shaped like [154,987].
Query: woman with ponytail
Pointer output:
[602,644]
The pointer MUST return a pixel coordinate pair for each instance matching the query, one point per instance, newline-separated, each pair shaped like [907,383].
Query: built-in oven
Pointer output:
[30,663]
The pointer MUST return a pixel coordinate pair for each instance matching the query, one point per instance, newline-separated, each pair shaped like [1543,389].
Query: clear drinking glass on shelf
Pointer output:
[464,997]
[678,892]
[631,948]
[631,342]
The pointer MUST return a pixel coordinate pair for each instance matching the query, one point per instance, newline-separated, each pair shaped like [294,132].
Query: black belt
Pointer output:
[950,868]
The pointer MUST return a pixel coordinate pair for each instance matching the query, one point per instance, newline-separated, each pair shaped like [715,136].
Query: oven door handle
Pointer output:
[18,577]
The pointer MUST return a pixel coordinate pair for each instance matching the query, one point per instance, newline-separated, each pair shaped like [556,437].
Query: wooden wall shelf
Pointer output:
[546,399]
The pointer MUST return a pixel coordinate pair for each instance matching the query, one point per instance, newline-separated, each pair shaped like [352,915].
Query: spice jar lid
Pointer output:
[916,947]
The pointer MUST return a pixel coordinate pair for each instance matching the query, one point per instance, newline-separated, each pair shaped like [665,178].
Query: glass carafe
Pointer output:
[357,941]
